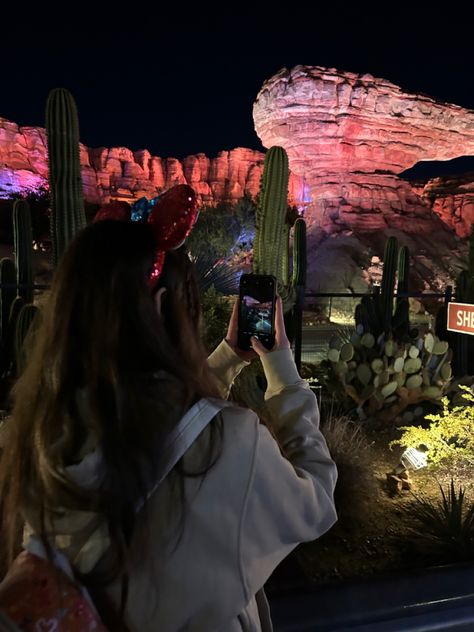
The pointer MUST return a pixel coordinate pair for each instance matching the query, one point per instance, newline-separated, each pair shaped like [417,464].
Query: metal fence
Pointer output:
[316,321]
[321,319]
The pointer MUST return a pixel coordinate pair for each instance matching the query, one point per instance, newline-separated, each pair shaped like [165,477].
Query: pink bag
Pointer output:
[38,597]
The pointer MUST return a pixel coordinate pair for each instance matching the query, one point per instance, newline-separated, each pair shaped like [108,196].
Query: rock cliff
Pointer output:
[119,173]
[349,136]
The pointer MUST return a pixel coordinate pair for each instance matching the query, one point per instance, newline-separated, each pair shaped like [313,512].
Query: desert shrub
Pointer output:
[216,311]
[444,527]
[450,436]
[355,489]
[350,449]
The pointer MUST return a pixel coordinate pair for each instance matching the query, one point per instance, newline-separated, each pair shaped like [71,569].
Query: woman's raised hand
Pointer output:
[281,339]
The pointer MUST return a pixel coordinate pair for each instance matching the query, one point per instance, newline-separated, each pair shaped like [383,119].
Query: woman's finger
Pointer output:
[281,338]
[257,346]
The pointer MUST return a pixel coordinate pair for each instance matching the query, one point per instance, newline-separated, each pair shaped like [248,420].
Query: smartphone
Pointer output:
[257,298]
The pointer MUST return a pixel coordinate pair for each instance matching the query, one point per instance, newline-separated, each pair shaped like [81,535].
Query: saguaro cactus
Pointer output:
[67,209]
[272,236]
[7,297]
[299,253]
[270,254]
[377,311]
[7,294]
[23,248]
[401,321]
[22,327]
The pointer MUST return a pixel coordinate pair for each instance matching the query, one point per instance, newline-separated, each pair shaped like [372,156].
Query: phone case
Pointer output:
[258,289]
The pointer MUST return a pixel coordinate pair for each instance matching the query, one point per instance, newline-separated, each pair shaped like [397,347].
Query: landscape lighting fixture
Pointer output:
[414,459]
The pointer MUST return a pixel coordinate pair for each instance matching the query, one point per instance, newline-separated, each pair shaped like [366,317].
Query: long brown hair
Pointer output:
[101,335]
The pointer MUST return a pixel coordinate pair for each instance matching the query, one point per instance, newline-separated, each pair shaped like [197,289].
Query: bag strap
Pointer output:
[183,435]
[176,445]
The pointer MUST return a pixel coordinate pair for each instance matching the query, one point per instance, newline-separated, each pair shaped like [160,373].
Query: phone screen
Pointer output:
[257,309]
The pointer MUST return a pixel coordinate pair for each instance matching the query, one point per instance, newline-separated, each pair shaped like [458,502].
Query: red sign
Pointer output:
[461,318]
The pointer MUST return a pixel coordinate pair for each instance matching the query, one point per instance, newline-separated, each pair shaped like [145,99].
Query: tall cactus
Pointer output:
[299,253]
[376,311]
[401,322]
[271,255]
[7,294]
[299,282]
[388,282]
[23,249]
[62,128]
[22,327]
[272,236]
[7,297]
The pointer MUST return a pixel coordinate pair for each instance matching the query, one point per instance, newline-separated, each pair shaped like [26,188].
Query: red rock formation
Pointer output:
[452,198]
[349,136]
[120,174]
[340,122]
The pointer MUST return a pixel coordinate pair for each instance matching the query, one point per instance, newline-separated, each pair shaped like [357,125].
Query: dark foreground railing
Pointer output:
[422,601]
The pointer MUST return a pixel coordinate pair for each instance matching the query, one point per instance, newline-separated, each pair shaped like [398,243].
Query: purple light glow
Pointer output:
[14,182]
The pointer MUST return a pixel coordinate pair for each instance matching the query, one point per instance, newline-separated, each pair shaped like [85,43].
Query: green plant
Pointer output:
[355,489]
[215,233]
[271,254]
[245,210]
[24,330]
[346,440]
[23,249]
[18,280]
[384,367]
[216,311]
[215,274]
[446,525]
[449,437]
[350,449]
[7,294]
[377,312]
[67,209]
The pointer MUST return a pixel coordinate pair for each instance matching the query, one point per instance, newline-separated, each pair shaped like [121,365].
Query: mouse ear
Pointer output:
[173,216]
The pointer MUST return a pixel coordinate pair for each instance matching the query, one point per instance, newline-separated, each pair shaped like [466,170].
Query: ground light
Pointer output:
[414,459]
[399,478]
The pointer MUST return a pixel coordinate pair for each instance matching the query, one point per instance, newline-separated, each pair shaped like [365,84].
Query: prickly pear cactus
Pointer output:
[385,367]
[383,377]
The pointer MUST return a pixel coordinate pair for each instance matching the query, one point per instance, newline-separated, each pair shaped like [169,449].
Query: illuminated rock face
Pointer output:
[119,173]
[333,122]
[452,198]
[349,136]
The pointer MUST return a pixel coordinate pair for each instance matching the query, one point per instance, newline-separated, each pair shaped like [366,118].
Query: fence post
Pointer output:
[298,313]
[448,294]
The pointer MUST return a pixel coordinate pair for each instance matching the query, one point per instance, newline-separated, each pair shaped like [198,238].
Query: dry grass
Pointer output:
[351,451]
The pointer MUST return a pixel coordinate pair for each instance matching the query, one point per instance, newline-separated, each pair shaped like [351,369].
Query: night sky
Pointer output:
[185,83]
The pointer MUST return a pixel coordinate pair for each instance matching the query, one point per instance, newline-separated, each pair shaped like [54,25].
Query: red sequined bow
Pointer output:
[171,219]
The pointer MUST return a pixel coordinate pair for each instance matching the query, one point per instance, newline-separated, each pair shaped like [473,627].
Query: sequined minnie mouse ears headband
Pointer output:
[171,216]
